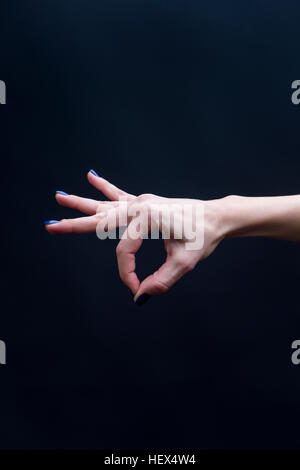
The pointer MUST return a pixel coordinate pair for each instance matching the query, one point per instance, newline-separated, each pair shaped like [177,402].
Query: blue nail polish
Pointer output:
[62,193]
[50,222]
[142,299]
[94,173]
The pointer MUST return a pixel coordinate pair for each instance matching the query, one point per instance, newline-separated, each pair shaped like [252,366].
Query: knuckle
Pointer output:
[143,205]
[99,208]
[146,207]
[160,287]
[144,197]
[99,216]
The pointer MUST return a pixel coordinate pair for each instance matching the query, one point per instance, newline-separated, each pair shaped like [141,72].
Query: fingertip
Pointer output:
[60,196]
[48,224]
[94,173]
[51,222]
[142,299]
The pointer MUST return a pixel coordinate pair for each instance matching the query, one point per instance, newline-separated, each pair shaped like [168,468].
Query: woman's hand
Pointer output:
[191,230]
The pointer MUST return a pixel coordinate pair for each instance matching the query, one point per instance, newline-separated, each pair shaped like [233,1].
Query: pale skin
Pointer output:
[231,216]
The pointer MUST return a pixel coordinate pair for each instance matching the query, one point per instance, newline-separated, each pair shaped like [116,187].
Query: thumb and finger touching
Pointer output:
[102,215]
[174,267]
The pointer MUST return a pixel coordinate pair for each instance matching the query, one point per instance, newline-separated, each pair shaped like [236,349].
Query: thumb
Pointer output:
[175,266]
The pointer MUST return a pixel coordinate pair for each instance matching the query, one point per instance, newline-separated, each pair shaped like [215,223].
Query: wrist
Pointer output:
[240,216]
[258,216]
[232,220]
[221,216]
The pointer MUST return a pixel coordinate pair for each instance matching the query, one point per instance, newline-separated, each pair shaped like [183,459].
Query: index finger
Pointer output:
[126,251]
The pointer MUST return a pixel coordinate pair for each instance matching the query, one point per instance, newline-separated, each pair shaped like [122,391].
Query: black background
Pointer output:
[177,98]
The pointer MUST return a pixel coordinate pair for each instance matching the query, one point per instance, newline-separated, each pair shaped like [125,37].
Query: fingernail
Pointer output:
[142,299]
[62,193]
[94,173]
[50,222]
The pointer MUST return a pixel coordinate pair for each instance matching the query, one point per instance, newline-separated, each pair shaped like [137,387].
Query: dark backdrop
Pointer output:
[178,98]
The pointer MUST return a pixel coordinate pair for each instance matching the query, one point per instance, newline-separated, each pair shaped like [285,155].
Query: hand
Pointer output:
[181,257]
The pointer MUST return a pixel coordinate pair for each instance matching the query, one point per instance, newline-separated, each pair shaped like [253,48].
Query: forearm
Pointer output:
[276,217]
